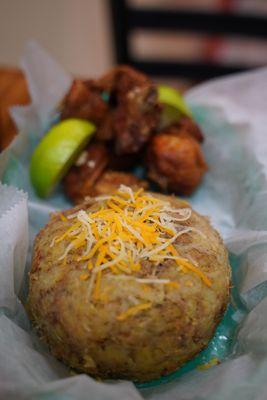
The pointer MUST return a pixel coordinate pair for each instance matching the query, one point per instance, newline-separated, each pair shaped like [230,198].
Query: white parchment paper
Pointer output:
[232,114]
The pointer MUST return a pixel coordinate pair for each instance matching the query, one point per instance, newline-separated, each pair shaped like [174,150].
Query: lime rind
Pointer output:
[56,153]
[172,98]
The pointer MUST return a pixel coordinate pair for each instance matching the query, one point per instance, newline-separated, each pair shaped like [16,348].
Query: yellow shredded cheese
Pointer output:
[84,277]
[97,285]
[126,230]
[133,311]
[173,285]
[63,218]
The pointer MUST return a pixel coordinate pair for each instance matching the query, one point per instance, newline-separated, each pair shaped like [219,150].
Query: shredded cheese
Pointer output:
[126,230]
[84,277]
[63,218]
[133,311]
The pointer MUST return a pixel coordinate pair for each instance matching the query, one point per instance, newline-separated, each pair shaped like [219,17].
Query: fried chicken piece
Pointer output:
[136,110]
[110,181]
[135,120]
[121,78]
[89,177]
[175,161]
[129,116]
[105,131]
[188,126]
[83,175]
[84,101]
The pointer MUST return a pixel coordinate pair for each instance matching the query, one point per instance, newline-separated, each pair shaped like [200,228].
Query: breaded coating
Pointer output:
[175,161]
[81,178]
[93,173]
[129,114]
[84,101]
[110,181]
[90,176]
[188,126]
[136,109]
[125,108]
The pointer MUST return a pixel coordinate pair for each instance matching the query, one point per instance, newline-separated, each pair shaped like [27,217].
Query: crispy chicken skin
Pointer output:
[110,181]
[127,124]
[84,101]
[175,161]
[82,176]
[129,117]
[135,119]
[121,78]
[90,176]
[188,126]
[136,108]
[86,334]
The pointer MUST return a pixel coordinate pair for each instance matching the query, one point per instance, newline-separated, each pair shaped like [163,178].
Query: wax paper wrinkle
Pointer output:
[231,112]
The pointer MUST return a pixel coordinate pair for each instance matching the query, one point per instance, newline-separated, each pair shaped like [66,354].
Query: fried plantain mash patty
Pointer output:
[128,286]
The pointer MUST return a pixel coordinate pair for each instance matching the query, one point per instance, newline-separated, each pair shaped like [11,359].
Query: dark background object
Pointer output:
[126,19]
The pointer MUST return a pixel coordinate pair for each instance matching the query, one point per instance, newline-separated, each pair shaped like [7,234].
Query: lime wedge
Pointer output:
[56,153]
[174,105]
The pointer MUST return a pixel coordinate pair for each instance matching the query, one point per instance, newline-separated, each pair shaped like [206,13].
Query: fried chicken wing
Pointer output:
[84,101]
[129,115]
[83,175]
[189,127]
[135,120]
[90,176]
[133,98]
[175,161]
[121,78]
[110,181]
[124,106]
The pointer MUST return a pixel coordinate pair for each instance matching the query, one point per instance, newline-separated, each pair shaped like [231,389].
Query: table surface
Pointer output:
[13,91]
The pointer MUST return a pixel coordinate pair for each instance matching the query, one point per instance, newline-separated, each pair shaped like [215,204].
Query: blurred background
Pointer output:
[181,42]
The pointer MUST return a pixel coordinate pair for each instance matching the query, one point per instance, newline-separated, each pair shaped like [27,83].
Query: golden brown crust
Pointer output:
[82,177]
[175,161]
[87,336]
[125,108]
[91,178]
[84,101]
[110,182]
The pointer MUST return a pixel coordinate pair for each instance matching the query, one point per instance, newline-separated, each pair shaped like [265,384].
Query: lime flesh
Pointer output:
[56,153]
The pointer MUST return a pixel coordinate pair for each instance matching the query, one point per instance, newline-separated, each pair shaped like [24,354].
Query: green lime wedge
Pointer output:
[56,153]
[174,105]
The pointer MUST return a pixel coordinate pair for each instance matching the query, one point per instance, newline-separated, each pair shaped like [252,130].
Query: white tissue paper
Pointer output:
[3,161]
[231,112]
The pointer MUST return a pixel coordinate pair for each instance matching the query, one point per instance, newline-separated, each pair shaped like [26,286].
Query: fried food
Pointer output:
[130,115]
[90,176]
[187,126]
[136,324]
[175,161]
[84,101]
[136,107]
[127,123]
[81,178]
[121,79]
[110,181]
